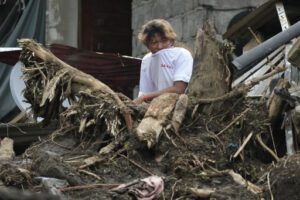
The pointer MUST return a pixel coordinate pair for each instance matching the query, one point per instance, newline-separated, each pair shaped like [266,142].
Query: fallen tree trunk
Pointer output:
[211,74]
[50,82]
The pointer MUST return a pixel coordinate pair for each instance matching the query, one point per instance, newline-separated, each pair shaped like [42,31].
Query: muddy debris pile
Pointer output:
[212,143]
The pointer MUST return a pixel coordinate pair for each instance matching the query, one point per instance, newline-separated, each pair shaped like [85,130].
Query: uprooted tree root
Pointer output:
[214,156]
[49,82]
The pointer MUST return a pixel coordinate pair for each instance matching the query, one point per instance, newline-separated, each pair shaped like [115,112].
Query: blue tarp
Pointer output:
[19,19]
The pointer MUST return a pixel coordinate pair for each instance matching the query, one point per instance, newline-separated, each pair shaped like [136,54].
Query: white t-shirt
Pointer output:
[161,69]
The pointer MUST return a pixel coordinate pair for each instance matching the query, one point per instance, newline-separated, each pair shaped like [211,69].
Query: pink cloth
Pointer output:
[149,188]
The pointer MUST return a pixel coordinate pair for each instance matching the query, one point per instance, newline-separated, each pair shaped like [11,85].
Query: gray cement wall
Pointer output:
[186,16]
[62,22]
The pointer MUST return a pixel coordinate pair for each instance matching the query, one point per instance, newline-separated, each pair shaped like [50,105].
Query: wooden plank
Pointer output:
[294,54]
[273,57]
[25,133]
[259,89]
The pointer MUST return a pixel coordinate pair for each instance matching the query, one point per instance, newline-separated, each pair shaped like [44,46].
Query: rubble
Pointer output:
[94,158]
[215,142]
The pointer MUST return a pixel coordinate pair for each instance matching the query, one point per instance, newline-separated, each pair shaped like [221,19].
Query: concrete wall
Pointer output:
[186,16]
[62,22]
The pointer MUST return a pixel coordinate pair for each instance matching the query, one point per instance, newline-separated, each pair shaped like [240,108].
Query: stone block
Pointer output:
[190,5]
[162,9]
[177,24]
[177,7]
[192,21]
[222,19]
[141,14]
[190,43]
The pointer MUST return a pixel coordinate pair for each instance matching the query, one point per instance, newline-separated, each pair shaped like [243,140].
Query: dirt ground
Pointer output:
[194,161]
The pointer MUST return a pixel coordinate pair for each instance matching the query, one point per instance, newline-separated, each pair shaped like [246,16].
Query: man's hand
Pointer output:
[178,87]
[139,100]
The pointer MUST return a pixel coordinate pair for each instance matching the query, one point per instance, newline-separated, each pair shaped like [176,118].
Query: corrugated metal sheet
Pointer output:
[120,72]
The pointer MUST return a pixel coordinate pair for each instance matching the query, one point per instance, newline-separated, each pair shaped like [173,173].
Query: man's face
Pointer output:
[157,43]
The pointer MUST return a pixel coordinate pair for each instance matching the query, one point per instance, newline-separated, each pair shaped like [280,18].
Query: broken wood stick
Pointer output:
[90,173]
[243,145]
[269,186]
[99,158]
[247,184]
[89,186]
[233,122]
[137,165]
[21,117]
[263,145]
[201,192]
[238,179]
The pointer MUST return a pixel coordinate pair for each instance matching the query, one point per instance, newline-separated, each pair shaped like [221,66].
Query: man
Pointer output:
[167,68]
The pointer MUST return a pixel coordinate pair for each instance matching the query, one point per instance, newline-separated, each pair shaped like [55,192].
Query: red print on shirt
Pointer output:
[166,66]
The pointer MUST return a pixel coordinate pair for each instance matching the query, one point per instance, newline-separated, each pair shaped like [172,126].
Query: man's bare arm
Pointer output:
[178,87]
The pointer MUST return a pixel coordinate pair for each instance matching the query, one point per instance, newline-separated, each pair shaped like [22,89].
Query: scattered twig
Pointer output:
[167,135]
[179,198]
[269,186]
[254,35]
[202,193]
[21,117]
[243,145]
[214,136]
[169,127]
[91,186]
[96,159]
[124,187]
[285,161]
[194,111]
[60,145]
[271,132]
[158,159]
[240,180]
[90,173]
[234,121]
[137,165]
[198,162]
[12,125]
[194,121]
[75,158]
[258,138]
[173,189]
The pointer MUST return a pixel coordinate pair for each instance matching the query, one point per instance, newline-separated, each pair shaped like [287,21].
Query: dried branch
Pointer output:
[49,81]
[234,121]
[258,138]
[90,186]
[243,88]
[243,145]
[137,165]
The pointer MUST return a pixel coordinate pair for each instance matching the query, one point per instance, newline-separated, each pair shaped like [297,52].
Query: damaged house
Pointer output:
[268,46]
